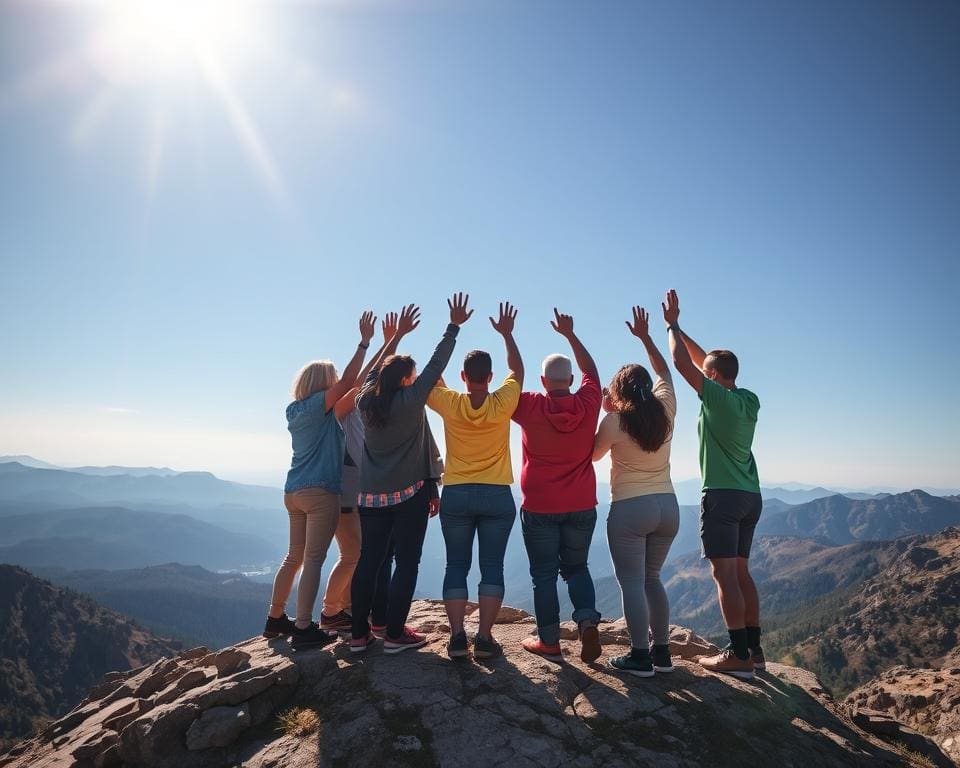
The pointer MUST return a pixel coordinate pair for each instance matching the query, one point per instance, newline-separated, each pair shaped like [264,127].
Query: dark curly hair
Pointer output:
[642,416]
[389,381]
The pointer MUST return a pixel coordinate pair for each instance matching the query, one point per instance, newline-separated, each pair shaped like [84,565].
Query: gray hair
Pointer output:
[557,368]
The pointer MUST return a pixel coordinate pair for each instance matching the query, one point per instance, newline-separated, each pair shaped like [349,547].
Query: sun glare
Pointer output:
[158,39]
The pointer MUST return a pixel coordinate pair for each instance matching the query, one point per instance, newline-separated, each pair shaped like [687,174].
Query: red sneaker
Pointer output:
[551,652]
[409,639]
[360,644]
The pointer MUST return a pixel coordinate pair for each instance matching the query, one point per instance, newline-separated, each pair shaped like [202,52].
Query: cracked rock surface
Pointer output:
[419,708]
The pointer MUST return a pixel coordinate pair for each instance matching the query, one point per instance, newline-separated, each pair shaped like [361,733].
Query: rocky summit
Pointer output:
[260,704]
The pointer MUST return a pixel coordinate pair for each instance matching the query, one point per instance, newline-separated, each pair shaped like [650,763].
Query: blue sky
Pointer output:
[175,244]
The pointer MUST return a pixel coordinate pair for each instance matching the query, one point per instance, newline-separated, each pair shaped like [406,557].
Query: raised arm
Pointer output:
[641,329]
[563,324]
[504,326]
[347,381]
[433,370]
[678,349]
[695,350]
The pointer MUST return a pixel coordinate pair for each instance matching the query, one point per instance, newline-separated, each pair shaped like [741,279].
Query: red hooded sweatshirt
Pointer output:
[557,474]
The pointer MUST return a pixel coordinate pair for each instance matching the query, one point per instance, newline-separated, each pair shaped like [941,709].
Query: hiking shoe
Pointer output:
[589,643]
[337,623]
[312,637]
[727,662]
[632,665]
[282,627]
[379,630]
[759,662]
[408,640]
[534,645]
[486,647]
[661,659]
[360,644]
[457,645]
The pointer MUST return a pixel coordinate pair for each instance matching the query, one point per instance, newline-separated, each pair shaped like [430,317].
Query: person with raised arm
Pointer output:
[731,503]
[335,613]
[477,500]
[312,490]
[558,511]
[399,474]
[644,515]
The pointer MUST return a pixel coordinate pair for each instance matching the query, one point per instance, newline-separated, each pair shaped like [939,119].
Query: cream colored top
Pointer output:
[634,471]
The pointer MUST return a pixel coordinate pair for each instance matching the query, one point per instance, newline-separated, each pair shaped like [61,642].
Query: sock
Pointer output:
[738,641]
[640,654]
[753,638]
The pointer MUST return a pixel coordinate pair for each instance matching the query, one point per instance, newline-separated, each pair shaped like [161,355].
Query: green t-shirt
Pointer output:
[728,419]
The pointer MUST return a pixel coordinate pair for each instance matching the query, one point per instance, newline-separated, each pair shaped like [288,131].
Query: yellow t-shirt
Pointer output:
[478,439]
[634,471]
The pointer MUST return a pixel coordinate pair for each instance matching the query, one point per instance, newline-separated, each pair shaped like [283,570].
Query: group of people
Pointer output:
[367,472]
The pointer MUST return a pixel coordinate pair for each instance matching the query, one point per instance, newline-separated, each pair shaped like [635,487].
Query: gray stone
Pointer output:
[217,727]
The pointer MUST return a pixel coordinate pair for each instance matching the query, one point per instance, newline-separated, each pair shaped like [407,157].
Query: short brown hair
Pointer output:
[478,366]
[724,362]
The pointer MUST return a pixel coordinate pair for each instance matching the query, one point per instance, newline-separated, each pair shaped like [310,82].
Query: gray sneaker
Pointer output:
[457,645]
[486,648]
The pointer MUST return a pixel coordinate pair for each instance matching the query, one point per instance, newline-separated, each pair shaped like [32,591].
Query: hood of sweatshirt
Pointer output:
[565,413]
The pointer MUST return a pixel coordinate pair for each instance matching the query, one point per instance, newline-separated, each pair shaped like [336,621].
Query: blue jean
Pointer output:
[487,511]
[559,544]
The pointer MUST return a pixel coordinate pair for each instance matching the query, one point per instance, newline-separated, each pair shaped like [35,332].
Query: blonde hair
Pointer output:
[314,377]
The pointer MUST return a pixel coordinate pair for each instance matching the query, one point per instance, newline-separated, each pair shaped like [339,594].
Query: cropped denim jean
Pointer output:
[487,511]
[559,544]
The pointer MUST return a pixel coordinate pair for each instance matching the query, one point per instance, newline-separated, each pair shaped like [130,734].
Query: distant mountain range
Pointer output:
[187,603]
[54,645]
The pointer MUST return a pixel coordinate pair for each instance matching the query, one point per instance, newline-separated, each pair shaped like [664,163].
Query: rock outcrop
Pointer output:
[259,704]
[903,701]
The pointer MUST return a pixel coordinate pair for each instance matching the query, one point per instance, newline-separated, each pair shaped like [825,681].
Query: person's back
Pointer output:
[728,420]
[477,500]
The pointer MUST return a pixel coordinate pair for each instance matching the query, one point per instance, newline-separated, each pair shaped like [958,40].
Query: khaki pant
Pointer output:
[337,597]
[314,515]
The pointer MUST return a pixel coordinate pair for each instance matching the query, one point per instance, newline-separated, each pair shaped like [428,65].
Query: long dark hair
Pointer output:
[392,373]
[642,416]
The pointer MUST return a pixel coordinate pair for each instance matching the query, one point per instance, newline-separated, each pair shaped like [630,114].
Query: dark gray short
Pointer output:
[728,519]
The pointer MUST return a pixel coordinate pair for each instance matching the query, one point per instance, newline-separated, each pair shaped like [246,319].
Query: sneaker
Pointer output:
[360,644]
[589,643]
[534,645]
[756,656]
[727,662]
[282,627]
[486,648]
[457,645]
[379,630]
[632,665]
[338,622]
[312,637]
[409,639]
[661,659]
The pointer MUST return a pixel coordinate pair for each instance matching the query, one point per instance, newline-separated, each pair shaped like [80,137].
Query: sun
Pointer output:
[149,40]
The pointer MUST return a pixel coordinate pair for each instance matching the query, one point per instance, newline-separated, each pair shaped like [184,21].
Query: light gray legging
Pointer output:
[640,531]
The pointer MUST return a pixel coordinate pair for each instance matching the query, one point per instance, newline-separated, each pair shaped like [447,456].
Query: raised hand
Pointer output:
[671,308]
[641,323]
[388,326]
[458,308]
[409,319]
[504,324]
[562,324]
[368,325]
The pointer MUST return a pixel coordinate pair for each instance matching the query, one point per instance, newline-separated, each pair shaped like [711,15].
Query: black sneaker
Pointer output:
[312,637]
[282,627]
[486,648]
[457,645]
[661,658]
[340,622]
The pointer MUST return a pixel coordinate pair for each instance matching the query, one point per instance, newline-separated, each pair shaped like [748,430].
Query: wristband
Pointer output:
[675,328]
[364,346]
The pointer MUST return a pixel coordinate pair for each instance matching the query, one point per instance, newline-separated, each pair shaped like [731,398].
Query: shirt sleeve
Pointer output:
[590,394]
[506,398]
[604,440]
[715,396]
[522,410]
[441,400]
[664,392]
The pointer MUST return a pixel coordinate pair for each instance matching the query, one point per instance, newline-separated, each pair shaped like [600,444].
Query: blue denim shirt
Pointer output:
[318,446]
